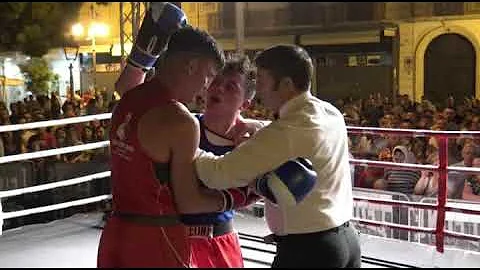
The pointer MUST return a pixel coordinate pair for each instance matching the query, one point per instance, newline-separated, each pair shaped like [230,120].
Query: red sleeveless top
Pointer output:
[135,187]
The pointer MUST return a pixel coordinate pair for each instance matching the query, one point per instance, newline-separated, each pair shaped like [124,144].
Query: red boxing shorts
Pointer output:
[215,246]
[128,244]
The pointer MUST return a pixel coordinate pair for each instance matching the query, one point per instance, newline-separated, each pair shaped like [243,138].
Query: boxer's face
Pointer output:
[398,156]
[201,72]
[226,93]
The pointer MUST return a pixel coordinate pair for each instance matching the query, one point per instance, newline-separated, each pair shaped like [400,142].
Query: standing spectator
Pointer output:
[2,148]
[10,145]
[55,106]
[14,113]
[92,107]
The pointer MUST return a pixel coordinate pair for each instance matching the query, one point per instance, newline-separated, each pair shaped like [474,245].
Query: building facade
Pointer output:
[419,49]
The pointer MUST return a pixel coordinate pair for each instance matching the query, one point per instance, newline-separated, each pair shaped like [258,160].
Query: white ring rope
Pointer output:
[69,182]
[60,122]
[90,146]
[383,164]
[36,210]
[54,152]
[412,132]
[412,166]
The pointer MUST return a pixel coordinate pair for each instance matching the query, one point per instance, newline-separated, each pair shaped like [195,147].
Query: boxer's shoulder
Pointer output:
[163,127]
[168,120]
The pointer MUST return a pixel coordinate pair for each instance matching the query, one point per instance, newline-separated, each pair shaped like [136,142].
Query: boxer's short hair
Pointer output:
[287,61]
[195,41]
[241,64]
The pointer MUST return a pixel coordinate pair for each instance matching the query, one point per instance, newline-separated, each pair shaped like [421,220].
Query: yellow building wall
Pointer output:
[198,13]
[414,40]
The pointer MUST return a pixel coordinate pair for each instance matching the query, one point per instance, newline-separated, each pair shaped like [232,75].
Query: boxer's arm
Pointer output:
[264,152]
[190,197]
[170,134]
[160,21]
[244,128]
[129,78]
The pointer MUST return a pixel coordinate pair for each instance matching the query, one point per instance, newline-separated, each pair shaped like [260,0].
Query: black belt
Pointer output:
[278,238]
[163,220]
[210,230]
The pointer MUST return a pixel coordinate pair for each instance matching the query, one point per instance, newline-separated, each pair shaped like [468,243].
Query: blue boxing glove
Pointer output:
[289,184]
[161,20]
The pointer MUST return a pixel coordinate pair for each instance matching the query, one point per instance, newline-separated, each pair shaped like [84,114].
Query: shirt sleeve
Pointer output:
[265,151]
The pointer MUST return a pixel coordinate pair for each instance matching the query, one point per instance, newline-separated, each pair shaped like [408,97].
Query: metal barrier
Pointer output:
[394,214]
[441,205]
[17,185]
[443,169]
[26,174]
[456,222]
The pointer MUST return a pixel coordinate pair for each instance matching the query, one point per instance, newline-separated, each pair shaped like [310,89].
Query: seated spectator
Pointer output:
[402,181]
[419,149]
[364,177]
[471,189]
[48,137]
[61,139]
[449,115]
[375,175]
[364,146]
[28,118]
[424,122]
[4,117]
[87,135]
[427,185]
[100,134]
[35,143]
[72,139]
[456,180]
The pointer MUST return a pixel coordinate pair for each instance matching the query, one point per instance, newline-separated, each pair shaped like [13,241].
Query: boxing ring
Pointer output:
[73,241]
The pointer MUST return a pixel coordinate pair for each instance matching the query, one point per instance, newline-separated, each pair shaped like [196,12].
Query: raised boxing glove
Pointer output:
[161,20]
[289,184]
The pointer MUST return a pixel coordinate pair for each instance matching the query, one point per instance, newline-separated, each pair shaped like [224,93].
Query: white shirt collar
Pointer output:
[287,106]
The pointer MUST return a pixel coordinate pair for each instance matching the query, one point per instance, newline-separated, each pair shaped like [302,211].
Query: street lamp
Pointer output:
[71,53]
[95,29]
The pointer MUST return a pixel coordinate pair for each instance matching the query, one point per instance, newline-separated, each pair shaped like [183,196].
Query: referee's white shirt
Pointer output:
[307,127]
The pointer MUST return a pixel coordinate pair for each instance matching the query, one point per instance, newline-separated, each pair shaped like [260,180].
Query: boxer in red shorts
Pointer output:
[153,142]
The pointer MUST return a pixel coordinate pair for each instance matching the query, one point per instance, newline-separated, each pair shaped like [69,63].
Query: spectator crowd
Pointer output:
[375,111]
[48,169]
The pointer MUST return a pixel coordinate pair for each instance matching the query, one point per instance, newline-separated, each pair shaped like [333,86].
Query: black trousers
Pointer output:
[337,247]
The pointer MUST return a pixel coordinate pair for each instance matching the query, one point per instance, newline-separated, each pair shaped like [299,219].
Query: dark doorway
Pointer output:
[449,69]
